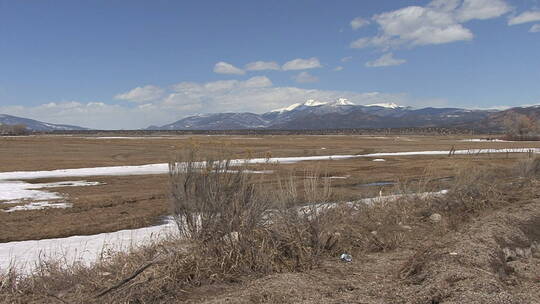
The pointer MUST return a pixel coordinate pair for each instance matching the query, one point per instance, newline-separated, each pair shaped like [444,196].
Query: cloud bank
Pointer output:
[255,94]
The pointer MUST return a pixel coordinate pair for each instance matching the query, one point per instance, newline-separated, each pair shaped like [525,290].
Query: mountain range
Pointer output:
[338,114]
[34,125]
[319,115]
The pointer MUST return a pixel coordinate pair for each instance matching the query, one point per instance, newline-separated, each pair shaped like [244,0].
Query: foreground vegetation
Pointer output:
[240,237]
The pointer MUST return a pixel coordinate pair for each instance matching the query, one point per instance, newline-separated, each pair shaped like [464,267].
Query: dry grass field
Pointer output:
[483,245]
[126,202]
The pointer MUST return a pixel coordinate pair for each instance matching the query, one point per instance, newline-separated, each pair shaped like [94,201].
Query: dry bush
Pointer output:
[473,190]
[238,224]
[521,127]
[529,168]
[13,130]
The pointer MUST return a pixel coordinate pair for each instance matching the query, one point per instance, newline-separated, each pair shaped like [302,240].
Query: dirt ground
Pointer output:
[493,259]
[125,202]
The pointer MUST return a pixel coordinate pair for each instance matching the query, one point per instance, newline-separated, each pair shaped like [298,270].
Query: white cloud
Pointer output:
[227,68]
[535,28]
[482,9]
[385,60]
[142,94]
[444,5]
[302,64]
[96,115]
[439,22]
[358,22]
[257,82]
[305,77]
[255,95]
[262,65]
[338,68]
[525,17]
[346,59]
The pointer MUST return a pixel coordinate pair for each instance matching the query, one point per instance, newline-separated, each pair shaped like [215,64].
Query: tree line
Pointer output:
[10,130]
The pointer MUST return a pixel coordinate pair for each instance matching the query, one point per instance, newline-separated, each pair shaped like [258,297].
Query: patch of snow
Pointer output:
[458,152]
[339,177]
[343,102]
[389,105]
[379,160]
[314,103]
[127,137]
[372,200]
[287,109]
[484,140]
[38,206]
[25,255]
[14,191]
[163,168]
[88,249]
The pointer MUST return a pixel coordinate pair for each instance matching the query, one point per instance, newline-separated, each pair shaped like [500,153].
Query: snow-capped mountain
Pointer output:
[312,103]
[340,113]
[35,125]
[389,105]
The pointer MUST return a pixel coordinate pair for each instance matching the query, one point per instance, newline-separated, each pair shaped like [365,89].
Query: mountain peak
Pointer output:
[389,105]
[314,103]
[343,102]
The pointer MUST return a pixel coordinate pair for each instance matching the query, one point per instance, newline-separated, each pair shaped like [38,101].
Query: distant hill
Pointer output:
[496,121]
[338,114]
[34,125]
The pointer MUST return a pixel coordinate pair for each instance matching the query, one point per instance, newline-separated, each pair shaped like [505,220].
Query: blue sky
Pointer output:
[129,64]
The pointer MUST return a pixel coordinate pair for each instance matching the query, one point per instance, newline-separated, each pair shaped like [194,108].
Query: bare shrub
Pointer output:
[13,130]
[212,198]
[529,168]
[521,127]
[238,224]
[472,191]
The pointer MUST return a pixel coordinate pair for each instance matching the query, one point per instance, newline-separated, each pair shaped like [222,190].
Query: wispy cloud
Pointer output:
[262,65]
[227,68]
[302,64]
[525,17]
[385,60]
[305,77]
[358,22]
[142,94]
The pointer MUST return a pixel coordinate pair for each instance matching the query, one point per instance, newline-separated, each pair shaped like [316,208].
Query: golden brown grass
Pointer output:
[252,233]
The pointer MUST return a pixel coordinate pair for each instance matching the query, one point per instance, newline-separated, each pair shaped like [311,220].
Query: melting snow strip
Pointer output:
[164,168]
[86,249]
[14,192]
[38,206]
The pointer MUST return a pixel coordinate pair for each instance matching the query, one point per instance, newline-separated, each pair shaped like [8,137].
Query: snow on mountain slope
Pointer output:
[337,114]
[389,105]
[287,109]
[314,103]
